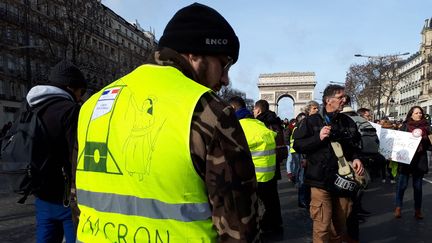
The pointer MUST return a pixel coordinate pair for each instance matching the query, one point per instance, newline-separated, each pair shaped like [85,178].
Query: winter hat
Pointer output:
[199,29]
[65,74]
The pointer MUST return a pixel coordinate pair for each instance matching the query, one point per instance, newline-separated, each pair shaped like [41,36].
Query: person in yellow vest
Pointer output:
[161,157]
[262,144]
[262,112]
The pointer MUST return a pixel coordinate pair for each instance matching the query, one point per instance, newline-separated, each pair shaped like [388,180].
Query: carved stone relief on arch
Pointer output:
[269,97]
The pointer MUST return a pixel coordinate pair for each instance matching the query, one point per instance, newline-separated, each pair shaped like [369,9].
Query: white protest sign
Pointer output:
[398,146]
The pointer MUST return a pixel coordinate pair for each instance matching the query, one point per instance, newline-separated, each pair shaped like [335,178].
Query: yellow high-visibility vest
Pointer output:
[135,177]
[262,145]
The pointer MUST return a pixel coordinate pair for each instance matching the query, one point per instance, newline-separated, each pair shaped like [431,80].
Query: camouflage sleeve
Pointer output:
[221,157]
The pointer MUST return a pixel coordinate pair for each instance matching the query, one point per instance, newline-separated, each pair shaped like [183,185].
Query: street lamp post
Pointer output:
[378,73]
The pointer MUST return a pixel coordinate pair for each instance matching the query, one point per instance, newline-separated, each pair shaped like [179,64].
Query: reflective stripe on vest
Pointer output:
[265,169]
[150,208]
[263,153]
[135,178]
[262,145]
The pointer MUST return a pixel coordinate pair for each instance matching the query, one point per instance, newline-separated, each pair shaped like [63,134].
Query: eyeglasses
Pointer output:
[227,65]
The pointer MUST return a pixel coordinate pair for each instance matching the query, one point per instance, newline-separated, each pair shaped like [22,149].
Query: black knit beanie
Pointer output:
[199,29]
[65,74]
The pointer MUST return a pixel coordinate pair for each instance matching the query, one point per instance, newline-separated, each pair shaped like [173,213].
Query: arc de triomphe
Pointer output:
[299,86]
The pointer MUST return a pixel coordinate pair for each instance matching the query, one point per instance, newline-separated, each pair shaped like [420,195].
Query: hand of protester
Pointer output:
[358,167]
[325,132]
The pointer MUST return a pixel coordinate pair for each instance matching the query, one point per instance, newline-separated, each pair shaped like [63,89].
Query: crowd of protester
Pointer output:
[114,158]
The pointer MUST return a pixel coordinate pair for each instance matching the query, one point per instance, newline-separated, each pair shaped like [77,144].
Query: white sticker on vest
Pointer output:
[105,102]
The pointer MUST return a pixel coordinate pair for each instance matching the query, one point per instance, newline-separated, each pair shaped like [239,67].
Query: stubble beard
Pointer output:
[202,73]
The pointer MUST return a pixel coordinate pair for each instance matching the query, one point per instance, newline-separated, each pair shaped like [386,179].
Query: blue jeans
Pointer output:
[52,222]
[294,165]
[403,184]
[304,193]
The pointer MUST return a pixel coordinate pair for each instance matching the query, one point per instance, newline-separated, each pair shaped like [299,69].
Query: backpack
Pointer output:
[369,139]
[26,148]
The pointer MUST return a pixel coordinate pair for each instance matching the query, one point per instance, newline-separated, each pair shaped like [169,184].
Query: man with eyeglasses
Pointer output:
[328,209]
[160,154]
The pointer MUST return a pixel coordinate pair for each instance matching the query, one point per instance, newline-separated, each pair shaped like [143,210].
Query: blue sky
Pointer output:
[301,36]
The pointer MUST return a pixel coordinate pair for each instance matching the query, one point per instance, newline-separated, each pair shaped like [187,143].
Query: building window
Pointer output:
[23,91]
[12,88]
[2,88]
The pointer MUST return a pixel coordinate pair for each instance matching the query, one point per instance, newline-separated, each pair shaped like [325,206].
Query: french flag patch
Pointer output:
[110,94]
[105,102]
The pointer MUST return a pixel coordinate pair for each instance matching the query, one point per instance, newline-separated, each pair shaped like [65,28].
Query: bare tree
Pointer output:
[374,81]
[228,92]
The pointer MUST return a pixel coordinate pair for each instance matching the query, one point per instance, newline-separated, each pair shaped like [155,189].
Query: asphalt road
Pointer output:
[17,222]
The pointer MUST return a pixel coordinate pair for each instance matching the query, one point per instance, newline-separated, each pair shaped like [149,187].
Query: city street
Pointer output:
[17,222]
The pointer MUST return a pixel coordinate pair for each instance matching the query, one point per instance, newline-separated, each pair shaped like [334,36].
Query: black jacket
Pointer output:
[322,163]
[60,119]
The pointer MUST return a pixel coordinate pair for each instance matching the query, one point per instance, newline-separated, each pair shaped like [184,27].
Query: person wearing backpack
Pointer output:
[64,91]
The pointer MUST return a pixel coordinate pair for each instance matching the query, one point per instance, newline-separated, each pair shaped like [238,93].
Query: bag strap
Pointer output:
[344,166]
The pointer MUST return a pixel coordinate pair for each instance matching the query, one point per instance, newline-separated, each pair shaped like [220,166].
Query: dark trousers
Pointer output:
[353,218]
[304,192]
[268,193]
[402,185]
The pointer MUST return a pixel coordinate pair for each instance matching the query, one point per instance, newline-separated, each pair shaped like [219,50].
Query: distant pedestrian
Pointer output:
[415,123]
[272,223]
[365,113]
[262,144]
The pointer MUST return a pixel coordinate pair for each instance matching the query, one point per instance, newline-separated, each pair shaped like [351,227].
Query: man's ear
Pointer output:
[193,60]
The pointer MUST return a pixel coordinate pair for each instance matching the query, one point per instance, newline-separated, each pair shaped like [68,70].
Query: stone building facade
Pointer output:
[36,34]
[415,87]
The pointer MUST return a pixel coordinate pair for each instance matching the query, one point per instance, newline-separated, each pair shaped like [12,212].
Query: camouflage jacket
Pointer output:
[222,158]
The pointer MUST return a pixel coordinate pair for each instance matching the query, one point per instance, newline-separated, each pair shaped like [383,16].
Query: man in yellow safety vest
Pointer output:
[262,144]
[161,157]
